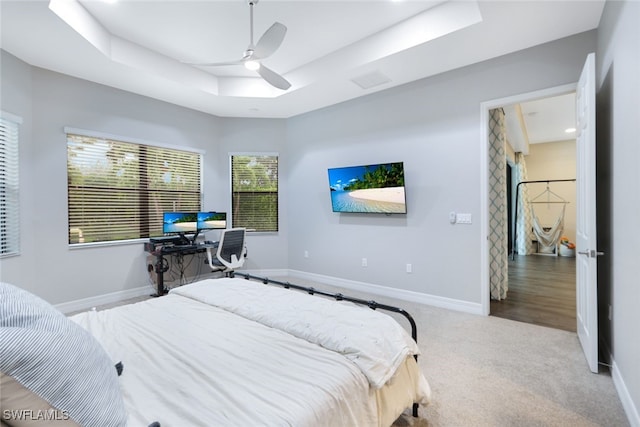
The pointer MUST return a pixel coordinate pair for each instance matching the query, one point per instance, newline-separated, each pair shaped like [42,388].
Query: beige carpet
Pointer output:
[488,371]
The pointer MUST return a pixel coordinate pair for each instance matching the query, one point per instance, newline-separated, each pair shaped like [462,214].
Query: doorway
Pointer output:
[541,283]
[586,233]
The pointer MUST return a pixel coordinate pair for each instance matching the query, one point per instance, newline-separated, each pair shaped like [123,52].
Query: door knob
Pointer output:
[591,253]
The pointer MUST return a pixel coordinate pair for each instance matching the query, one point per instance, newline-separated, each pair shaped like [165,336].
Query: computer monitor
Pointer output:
[180,223]
[212,221]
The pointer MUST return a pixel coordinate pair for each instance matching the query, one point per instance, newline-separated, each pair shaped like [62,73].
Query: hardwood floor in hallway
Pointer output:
[542,291]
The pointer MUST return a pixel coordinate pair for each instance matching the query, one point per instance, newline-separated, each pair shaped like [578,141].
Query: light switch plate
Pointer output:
[463,218]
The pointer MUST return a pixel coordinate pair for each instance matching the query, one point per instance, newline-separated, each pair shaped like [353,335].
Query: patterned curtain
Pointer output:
[524,225]
[498,232]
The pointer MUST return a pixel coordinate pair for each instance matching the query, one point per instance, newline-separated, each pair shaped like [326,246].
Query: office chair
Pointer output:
[232,251]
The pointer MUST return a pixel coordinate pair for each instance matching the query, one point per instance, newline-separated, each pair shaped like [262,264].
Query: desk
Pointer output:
[161,251]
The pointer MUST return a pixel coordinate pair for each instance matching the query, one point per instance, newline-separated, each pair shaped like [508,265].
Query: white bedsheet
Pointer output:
[372,340]
[187,363]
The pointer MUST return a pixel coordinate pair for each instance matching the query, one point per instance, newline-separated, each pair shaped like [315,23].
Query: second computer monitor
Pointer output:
[212,220]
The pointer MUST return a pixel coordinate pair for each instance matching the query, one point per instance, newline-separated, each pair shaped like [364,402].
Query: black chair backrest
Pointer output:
[232,243]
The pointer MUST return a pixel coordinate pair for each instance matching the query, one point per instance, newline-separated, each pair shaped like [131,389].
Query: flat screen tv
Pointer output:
[212,220]
[179,223]
[376,188]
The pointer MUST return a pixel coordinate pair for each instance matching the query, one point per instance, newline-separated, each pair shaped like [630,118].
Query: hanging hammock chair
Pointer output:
[550,238]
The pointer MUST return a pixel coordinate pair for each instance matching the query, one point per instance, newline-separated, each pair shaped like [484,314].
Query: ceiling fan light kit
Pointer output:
[255,53]
[252,65]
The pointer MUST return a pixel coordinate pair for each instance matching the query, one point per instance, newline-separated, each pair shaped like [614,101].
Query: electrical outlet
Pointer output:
[409,268]
[364,262]
[306,254]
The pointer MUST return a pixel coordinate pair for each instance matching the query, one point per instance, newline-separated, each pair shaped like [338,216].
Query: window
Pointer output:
[9,186]
[254,191]
[118,190]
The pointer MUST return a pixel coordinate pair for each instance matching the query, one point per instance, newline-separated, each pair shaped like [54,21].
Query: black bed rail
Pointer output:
[340,297]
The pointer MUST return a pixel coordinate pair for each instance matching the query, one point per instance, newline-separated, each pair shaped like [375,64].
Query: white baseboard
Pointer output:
[401,294]
[628,405]
[627,402]
[88,303]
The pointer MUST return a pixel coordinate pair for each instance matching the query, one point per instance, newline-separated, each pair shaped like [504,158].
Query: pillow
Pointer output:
[57,360]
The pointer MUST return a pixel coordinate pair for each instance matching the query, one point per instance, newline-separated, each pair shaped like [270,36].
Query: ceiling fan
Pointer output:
[255,53]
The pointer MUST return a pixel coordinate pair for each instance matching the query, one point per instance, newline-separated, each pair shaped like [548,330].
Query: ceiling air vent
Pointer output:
[367,81]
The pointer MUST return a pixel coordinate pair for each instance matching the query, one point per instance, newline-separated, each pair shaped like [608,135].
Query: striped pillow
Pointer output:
[58,360]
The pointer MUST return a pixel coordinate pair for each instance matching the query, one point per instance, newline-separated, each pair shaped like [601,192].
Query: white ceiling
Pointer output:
[141,46]
[551,119]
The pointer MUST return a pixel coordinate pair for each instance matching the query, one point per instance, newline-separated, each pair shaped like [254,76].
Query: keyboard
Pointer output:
[180,248]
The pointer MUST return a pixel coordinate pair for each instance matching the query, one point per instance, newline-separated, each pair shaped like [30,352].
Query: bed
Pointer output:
[235,352]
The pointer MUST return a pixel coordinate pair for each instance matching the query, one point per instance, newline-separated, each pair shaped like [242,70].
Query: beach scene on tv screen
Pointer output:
[368,189]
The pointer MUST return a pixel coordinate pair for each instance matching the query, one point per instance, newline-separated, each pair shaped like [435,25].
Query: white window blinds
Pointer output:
[254,191]
[118,190]
[9,187]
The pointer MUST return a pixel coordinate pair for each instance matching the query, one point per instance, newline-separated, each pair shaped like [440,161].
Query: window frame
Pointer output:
[12,245]
[231,189]
[129,140]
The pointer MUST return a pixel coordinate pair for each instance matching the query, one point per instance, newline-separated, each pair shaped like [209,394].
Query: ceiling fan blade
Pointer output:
[270,40]
[273,78]
[215,64]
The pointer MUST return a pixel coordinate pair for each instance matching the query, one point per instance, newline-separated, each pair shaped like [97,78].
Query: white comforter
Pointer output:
[188,363]
[375,342]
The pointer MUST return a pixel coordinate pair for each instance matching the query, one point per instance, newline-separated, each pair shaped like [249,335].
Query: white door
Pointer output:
[586,254]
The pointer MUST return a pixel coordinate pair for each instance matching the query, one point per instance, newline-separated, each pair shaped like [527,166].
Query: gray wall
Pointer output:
[48,102]
[433,126]
[618,124]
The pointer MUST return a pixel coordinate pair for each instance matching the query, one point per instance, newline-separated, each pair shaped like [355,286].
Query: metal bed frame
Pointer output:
[340,297]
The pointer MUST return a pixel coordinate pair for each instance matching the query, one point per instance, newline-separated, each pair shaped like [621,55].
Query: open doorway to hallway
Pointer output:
[541,275]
